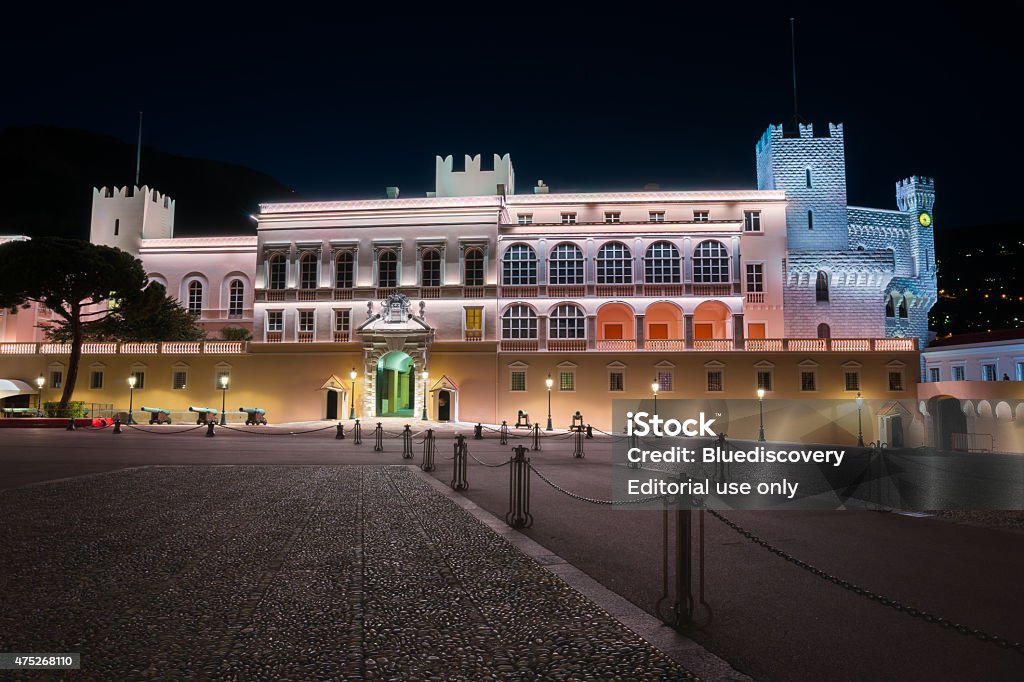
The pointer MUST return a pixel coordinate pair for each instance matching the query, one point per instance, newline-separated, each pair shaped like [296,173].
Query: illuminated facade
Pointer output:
[708,293]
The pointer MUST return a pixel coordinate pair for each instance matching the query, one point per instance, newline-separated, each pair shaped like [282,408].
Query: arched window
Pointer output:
[567,322]
[195,297]
[824,331]
[307,271]
[387,269]
[614,264]
[430,268]
[821,286]
[344,270]
[662,265]
[904,313]
[890,307]
[565,265]
[519,322]
[473,268]
[278,271]
[236,298]
[519,266]
[710,263]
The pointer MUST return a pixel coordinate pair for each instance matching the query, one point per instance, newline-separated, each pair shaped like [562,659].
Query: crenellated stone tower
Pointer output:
[124,216]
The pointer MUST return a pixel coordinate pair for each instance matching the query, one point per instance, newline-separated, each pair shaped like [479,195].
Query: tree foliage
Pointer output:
[82,283]
[235,334]
[153,316]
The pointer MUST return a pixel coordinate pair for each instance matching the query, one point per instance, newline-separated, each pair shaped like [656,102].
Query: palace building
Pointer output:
[491,290]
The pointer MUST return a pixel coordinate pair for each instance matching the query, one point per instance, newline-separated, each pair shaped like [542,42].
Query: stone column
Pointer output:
[688,330]
[639,333]
[737,331]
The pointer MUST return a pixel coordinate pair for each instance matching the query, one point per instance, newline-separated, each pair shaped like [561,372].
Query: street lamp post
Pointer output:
[131,397]
[860,430]
[760,405]
[223,398]
[426,378]
[654,389]
[40,382]
[550,382]
[352,408]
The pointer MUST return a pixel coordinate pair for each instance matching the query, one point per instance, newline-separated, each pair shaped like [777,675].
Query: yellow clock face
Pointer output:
[925,219]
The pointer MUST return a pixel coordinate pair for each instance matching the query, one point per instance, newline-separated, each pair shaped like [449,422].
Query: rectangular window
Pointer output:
[275,320]
[474,323]
[933,374]
[808,177]
[714,381]
[56,378]
[568,218]
[755,277]
[140,379]
[518,380]
[307,321]
[96,379]
[810,220]
[179,379]
[613,217]
[988,371]
[701,216]
[616,381]
[665,380]
[958,373]
[525,219]
[756,330]
[567,381]
[341,320]
[808,380]
[656,216]
[895,380]
[751,221]
[851,380]
[764,379]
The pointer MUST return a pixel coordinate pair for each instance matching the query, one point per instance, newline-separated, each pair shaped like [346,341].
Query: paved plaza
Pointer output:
[285,553]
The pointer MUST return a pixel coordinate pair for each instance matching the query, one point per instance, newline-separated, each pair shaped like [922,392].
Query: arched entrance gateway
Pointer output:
[396,345]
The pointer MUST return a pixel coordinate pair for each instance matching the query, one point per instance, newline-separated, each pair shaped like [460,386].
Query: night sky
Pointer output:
[340,105]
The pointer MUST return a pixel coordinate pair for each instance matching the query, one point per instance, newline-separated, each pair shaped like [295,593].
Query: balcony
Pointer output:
[567,291]
[614,290]
[519,345]
[567,345]
[624,345]
[274,337]
[430,292]
[305,294]
[719,289]
[713,345]
[520,291]
[133,348]
[305,337]
[474,292]
[662,289]
[663,345]
[341,336]
[755,297]
[341,294]
[384,292]
[472,335]
[274,295]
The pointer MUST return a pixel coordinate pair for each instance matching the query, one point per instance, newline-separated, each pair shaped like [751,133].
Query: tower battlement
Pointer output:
[916,193]
[124,216]
[472,181]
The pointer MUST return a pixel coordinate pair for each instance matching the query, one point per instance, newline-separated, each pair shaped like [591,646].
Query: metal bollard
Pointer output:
[459,481]
[503,437]
[357,434]
[536,436]
[478,431]
[378,438]
[209,429]
[518,515]
[634,442]
[341,432]
[577,451]
[117,425]
[71,424]
[590,431]
[688,555]
[427,463]
[406,442]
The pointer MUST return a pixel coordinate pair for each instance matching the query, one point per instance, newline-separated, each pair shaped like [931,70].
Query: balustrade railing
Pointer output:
[614,290]
[717,345]
[717,289]
[519,345]
[755,297]
[663,289]
[566,291]
[567,345]
[519,292]
[663,345]
[626,345]
[305,294]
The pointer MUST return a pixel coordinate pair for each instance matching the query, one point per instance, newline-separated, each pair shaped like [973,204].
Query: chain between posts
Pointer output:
[592,500]
[945,623]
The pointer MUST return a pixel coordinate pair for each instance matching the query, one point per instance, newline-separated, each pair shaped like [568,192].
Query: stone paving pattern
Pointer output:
[292,573]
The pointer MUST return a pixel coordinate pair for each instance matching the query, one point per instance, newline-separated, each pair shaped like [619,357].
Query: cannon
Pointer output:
[522,420]
[204,415]
[157,415]
[254,415]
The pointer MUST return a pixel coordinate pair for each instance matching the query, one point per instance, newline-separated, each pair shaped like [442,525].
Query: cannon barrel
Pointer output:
[252,410]
[206,410]
[154,409]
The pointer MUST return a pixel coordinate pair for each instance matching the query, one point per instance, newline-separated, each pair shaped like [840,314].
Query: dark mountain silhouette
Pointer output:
[48,175]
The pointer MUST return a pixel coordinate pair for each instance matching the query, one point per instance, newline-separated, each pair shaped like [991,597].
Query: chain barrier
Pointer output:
[268,432]
[945,623]
[407,442]
[427,463]
[459,481]
[519,515]
[592,500]
[480,461]
[161,433]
